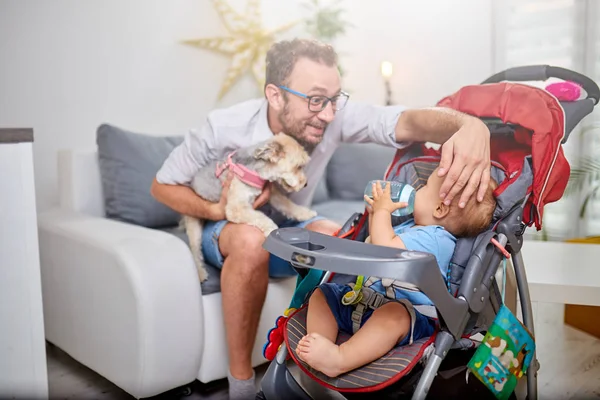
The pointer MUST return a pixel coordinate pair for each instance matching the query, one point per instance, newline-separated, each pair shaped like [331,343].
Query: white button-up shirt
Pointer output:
[246,124]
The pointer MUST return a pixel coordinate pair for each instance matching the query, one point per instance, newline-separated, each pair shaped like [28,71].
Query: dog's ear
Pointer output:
[272,151]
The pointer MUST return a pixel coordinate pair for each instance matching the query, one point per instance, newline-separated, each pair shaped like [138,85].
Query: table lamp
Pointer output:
[386,73]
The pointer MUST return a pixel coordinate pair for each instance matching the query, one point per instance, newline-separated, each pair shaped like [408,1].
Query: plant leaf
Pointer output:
[588,171]
[590,195]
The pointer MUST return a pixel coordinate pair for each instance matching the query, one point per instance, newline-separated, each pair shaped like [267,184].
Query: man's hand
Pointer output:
[382,199]
[465,148]
[263,197]
[218,209]
[466,162]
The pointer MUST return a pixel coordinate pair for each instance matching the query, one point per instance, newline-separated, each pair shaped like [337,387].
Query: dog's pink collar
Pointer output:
[245,174]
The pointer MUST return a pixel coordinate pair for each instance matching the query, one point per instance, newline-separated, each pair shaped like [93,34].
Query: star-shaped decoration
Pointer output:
[247,43]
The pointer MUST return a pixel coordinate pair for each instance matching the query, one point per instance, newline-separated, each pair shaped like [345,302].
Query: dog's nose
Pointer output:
[306,184]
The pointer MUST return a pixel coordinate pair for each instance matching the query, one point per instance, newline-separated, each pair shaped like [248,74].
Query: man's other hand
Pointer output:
[465,162]
[218,209]
[263,197]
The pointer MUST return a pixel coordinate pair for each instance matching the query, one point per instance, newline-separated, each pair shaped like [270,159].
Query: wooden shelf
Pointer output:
[16,135]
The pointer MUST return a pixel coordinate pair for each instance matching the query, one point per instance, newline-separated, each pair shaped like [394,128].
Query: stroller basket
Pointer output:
[467,301]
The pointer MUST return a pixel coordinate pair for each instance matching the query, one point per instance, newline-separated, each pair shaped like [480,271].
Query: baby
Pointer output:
[433,229]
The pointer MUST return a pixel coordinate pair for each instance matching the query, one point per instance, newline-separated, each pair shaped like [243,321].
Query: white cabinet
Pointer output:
[23,372]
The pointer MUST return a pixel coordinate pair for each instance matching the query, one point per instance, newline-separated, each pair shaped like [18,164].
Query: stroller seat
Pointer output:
[527,128]
[376,375]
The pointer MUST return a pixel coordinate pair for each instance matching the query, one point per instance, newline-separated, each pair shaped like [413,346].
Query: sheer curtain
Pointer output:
[562,33]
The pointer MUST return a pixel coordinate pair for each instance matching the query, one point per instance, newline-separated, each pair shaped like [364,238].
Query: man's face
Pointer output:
[310,78]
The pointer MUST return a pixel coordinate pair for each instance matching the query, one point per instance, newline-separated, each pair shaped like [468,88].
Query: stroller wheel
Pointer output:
[260,396]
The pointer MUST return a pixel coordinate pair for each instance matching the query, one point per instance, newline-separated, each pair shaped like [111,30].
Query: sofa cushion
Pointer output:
[128,163]
[213,283]
[353,165]
[321,193]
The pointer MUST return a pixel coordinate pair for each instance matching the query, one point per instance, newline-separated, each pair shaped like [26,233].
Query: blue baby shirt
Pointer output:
[432,239]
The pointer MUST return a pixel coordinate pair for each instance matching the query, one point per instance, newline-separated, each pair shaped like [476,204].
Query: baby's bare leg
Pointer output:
[388,324]
[319,320]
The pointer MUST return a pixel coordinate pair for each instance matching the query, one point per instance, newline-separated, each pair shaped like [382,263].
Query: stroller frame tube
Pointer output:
[281,380]
[522,286]
[443,343]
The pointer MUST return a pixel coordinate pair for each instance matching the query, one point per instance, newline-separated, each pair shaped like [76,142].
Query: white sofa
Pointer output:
[125,300]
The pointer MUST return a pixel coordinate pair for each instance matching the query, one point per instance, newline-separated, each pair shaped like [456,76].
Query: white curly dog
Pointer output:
[280,159]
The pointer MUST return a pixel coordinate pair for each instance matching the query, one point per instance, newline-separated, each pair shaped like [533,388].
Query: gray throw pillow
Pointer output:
[128,163]
[353,165]
[321,195]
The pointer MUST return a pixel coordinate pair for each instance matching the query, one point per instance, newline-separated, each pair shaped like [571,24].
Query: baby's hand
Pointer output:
[382,200]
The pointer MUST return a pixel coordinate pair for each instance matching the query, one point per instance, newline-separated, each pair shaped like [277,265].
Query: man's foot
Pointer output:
[321,354]
[241,389]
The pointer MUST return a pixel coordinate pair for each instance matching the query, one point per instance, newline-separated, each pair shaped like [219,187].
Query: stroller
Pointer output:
[528,126]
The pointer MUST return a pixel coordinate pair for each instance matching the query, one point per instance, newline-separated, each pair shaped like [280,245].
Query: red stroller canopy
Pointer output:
[540,132]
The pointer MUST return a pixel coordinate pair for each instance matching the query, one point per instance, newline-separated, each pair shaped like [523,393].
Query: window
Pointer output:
[562,33]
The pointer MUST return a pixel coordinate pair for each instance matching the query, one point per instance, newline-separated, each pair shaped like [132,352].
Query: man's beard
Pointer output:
[296,129]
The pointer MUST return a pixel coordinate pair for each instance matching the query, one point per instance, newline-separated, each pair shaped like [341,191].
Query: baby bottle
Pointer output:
[400,192]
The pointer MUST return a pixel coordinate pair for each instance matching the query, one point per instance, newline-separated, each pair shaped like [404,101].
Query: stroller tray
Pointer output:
[371,377]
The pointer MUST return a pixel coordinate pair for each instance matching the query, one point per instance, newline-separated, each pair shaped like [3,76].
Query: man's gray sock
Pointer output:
[241,389]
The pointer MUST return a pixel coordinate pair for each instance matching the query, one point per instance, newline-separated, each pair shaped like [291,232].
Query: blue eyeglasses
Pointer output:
[317,103]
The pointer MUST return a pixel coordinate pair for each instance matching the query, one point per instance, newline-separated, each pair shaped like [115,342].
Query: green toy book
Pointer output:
[504,355]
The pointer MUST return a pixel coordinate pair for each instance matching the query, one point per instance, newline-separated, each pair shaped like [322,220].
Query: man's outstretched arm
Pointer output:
[465,148]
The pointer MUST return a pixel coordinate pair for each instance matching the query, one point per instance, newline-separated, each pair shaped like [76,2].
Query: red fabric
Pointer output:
[542,119]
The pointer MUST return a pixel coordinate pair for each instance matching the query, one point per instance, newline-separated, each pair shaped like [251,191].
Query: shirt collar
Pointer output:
[261,129]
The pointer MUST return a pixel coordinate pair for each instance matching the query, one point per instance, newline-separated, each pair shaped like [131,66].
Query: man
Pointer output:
[304,99]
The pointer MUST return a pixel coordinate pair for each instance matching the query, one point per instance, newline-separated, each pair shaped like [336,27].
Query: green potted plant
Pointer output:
[326,23]
[587,173]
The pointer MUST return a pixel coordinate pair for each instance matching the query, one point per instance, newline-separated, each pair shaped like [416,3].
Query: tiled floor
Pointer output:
[570,366]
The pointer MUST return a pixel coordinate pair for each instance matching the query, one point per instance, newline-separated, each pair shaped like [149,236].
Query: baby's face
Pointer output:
[427,198]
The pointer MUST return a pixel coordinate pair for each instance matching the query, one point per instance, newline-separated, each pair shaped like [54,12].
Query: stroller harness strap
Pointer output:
[372,299]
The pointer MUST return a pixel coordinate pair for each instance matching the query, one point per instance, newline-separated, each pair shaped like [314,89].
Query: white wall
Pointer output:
[436,47]
[69,65]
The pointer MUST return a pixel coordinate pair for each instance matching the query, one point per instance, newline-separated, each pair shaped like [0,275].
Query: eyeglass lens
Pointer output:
[318,103]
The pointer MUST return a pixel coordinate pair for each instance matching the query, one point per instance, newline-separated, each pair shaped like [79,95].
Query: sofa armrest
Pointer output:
[121,299]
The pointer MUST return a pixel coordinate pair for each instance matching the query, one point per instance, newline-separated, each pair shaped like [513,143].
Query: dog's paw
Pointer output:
[304,214]
[267,228]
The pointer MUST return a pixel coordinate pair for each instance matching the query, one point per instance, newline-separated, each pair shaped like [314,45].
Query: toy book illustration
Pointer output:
[504,355]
